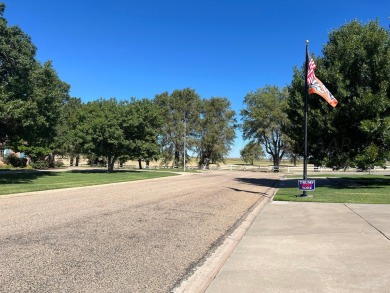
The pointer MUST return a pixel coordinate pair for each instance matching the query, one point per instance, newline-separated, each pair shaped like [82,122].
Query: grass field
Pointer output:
[344,189]
[27,180]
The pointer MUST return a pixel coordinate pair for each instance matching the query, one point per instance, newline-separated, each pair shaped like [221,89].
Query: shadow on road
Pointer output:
[258,181]
[249,191]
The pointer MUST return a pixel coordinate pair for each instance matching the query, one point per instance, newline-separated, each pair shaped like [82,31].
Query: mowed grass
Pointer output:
[373,189]
[26,181]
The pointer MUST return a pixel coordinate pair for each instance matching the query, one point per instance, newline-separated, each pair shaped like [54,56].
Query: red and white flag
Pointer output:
[317,87]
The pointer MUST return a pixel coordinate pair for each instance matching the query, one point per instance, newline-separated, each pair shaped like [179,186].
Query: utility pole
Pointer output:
[184,146]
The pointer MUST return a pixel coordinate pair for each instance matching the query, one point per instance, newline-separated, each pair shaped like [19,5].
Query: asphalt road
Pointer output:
[143,236]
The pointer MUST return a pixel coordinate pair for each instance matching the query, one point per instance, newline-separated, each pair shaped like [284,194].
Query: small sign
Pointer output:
[307,185]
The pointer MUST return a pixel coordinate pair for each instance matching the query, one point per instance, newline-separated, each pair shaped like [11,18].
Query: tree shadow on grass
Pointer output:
[28,176]
[364,182]
[340,183]
[24,176]
[334,183]
[100,171]
[258,181]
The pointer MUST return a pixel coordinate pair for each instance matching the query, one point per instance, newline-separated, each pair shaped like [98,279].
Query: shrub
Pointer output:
[14,161]
[40,165]
[59,164]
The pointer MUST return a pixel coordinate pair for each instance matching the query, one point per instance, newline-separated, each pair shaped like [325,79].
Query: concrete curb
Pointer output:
[204,275]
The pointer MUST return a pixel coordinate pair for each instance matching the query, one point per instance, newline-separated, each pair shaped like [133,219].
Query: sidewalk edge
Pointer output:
[204,275]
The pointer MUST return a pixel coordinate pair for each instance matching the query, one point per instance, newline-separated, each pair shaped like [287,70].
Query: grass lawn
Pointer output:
[343,189]
[27,180]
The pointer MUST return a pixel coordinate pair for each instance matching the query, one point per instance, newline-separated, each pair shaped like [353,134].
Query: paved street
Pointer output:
[140,236]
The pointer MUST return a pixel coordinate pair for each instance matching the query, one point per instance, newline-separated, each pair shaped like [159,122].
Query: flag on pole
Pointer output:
[316,86]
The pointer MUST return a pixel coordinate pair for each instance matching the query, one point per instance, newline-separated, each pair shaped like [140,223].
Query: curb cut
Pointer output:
[202,277]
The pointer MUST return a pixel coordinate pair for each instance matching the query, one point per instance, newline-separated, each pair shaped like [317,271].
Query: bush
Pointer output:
[14,161]
[40,165]
[59,164]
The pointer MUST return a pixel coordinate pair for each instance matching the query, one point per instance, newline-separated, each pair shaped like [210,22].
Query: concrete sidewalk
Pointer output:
[311,247]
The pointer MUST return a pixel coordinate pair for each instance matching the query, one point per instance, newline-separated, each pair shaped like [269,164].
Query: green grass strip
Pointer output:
[27,180]
[374,189]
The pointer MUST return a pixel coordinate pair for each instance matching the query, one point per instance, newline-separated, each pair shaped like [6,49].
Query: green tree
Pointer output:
[17,61]
[31,94]
[67,142]
[181,114]
[217,130]
[356,68]
[106,129]
[117,130]
[264,118]
[41,119]
[251,152]
[370,157]
[145,138]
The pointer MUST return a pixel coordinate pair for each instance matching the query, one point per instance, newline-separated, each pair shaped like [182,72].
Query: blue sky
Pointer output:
[221,48]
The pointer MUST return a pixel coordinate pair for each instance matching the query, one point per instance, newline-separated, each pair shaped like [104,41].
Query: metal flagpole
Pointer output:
[304,193]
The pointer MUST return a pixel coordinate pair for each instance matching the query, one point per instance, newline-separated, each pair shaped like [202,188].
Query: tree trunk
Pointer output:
[110,163]
[147,164]
[276,160]
[140,163]
[71,159]
[77,160]
[177,159]
[51,159]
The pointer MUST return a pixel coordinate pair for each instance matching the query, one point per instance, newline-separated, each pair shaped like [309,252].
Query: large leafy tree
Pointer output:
[105,128]
[264,118]
[355,67]
[31,94]
[181,114]
[217,130]
[118,130]
[17,61]
[45,103]
[67,142]
[145,135]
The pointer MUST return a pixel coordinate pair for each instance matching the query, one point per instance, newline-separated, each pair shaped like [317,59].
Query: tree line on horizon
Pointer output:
[38,116]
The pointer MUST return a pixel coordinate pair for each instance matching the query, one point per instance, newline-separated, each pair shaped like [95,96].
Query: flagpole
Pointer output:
[306,110]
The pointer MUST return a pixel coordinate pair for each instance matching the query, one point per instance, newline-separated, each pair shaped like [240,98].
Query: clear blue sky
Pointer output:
[220,48]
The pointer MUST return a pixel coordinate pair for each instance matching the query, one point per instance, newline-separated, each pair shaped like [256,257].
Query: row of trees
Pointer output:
[38,116]
[355,67]
[166,128]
